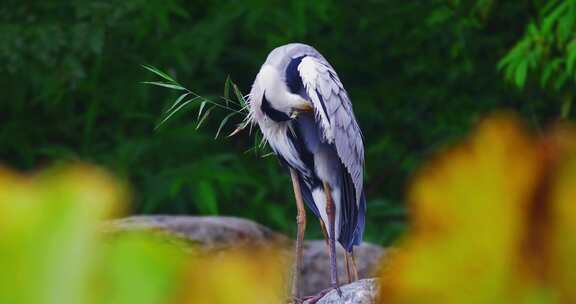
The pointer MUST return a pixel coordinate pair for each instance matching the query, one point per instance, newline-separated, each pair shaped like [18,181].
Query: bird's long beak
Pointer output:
[304,106]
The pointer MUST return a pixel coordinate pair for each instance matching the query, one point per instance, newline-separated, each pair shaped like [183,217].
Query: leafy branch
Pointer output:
[547,50]
[234,107]
[233,102]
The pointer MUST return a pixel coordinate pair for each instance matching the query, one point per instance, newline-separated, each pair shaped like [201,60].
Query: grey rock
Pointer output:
[209,232]
[216,233]
[359,292]
[315,271]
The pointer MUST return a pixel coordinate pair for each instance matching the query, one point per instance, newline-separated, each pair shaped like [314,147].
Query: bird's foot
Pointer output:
[315,298]
[339,291]
[295,300]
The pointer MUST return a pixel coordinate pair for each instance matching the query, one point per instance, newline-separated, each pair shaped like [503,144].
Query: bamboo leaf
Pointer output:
[158,72]
[177,101]
[239,95]
[222,123]
[204,117]
[202,105]
[174,112]
[227,89]
[166,85]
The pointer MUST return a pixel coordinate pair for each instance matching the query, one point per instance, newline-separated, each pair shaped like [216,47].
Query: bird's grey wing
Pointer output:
[333,112]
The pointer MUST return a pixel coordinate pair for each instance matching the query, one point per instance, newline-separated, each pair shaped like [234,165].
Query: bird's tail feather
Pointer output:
[359,231]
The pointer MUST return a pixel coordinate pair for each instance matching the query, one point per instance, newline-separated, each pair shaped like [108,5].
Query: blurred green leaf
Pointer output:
[521,71]
[206,198]
[141,269]
[418,73]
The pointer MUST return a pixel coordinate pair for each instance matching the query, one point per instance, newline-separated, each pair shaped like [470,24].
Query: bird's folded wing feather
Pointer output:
[333,111]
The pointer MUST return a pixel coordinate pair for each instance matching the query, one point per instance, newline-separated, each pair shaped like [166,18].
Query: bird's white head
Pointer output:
[273,95]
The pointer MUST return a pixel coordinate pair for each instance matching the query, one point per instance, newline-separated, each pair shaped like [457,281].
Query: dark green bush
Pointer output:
[419,74]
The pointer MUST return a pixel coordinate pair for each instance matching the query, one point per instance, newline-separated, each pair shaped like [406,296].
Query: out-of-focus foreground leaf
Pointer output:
[48,232]
[493,221]
[54,251]
[255,276]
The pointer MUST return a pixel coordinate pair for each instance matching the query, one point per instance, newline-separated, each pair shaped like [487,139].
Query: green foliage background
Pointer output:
[420,73]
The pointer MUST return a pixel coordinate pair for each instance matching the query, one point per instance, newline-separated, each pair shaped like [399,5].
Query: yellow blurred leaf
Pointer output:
[48,232]
[54,250]
[476,235]
[140,268]
[255,276]
[563,196]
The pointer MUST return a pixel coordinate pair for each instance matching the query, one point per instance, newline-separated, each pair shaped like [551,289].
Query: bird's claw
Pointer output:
[295,300]
[315,298]
[339,291]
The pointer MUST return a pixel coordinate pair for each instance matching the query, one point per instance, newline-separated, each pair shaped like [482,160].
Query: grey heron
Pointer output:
[306,117]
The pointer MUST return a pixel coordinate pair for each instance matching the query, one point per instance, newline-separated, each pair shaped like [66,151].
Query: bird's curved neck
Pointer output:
[270,111]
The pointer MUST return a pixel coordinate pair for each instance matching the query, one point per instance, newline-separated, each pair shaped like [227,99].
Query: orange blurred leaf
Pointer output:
[482,218]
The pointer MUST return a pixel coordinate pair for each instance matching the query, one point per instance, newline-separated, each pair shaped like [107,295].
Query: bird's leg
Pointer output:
[301,221]
[347,259]
[315,298]
[330,212]
[324,232]
[351,262]
[354,267]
